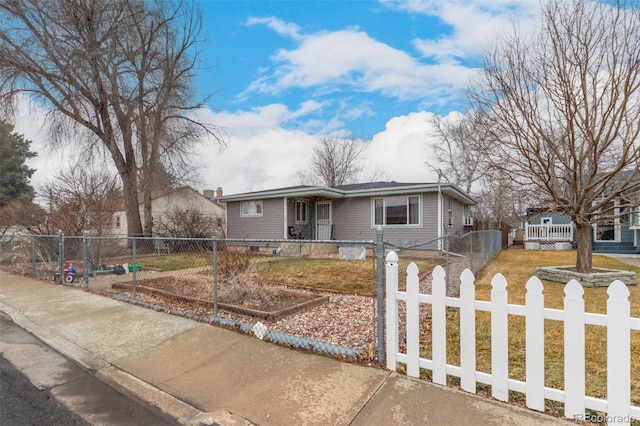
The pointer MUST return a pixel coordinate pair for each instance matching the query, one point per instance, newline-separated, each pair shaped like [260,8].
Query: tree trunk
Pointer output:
[584,249]
[129,188]
[148,213]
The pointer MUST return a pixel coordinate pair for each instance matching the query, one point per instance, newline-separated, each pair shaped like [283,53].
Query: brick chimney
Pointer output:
[219,192]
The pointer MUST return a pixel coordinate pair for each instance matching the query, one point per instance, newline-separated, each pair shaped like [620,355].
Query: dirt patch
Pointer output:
[278,304]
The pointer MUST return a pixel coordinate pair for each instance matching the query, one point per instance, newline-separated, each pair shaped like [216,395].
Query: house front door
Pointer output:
[323,220]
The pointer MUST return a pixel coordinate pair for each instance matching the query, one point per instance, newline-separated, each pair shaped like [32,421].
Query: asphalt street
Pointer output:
[21,403]
[41,387]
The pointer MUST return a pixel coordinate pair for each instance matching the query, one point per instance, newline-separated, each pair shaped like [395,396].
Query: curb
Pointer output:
[127,384]
[165,403]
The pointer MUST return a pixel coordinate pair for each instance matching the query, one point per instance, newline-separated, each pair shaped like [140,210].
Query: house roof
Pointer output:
[120,206]
[353,190]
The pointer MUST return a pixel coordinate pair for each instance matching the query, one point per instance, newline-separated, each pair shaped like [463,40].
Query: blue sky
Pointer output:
[284,73]
[292,52]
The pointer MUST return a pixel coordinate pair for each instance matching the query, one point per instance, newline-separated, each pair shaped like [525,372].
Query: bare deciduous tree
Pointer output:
[335,162]
[190,223]
[564,108]
[19,214]
[456,150]
[117,72]
[80,199]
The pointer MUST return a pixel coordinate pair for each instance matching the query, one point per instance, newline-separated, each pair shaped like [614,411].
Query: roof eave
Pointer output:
[323,191]
[316,191]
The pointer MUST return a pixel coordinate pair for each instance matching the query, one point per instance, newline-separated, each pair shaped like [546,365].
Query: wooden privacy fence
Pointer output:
[618,323]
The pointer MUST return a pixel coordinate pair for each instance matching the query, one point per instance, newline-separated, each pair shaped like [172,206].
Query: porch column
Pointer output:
[284,225]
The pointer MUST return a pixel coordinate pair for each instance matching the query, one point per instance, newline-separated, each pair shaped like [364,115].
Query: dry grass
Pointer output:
[347,276]
[518,266]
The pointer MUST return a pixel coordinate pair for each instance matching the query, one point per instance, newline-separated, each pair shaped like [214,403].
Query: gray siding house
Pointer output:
[405,211]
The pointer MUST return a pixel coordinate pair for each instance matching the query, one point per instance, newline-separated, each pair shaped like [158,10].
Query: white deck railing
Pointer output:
[549,232]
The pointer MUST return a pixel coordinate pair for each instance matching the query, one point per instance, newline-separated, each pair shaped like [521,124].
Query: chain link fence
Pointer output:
[455,253]
[323,296]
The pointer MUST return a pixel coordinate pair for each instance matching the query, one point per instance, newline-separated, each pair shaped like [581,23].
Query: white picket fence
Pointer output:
[618,322]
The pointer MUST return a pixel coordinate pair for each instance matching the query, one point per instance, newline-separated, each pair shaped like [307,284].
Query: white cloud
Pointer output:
[350,59]
[277,25]
[403,147]
[260,152]
[474,24]
[30,122]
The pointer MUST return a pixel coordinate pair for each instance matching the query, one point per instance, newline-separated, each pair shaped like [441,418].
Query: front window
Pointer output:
[634,216]
[608,228]
[251,208]
[397,210]
[302,211]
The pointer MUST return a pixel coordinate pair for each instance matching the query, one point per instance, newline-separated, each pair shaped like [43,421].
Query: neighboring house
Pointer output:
[552,231]
[405,211]
[165,203]
[548,231]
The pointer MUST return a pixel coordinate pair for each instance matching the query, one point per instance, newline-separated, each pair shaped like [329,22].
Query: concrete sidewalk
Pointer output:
[197,373]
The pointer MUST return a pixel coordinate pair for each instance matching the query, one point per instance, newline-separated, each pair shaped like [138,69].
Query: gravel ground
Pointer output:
[347,320]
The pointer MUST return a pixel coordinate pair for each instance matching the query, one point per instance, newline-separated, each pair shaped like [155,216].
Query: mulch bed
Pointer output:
[285,302]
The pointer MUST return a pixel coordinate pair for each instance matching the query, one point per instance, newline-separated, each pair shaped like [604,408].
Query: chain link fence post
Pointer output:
[215,278]
[33,256]
[448,262]
[61,256]
[133,272]
[380,284]
[85,260]
[471,252]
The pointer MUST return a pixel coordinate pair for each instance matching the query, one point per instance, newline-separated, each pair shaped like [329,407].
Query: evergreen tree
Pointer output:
[14,173]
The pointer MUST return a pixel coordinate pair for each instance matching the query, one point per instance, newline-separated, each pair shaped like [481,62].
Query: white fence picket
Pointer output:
[413,321]
[574,352]
[534,345]
[391,311]
[499,339]
[618,354]
[468,331]
[439,326]
[618,322]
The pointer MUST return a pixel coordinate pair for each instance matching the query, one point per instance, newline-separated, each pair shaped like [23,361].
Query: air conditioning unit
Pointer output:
[468,221]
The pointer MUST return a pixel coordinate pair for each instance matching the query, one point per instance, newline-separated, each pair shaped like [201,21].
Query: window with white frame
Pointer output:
[608,227]
[302,211]
[634,216]
[251,208]
[466,215]
[400,210]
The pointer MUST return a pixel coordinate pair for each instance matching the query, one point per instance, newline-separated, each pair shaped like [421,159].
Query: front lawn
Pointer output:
[350,276]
